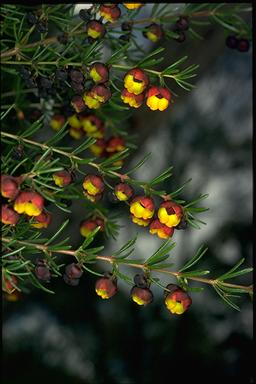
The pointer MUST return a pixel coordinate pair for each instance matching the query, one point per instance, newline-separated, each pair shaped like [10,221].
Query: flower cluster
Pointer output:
[137,89]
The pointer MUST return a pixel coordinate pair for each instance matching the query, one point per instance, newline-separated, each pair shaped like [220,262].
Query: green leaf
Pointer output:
[161,254]
[169,70]
[195,273]
[144,61]
[225,298]
[90,141]
[199,254]
[163,176]
[62,227]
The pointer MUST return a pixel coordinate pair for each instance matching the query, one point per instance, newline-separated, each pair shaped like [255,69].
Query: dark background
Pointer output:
[75,337]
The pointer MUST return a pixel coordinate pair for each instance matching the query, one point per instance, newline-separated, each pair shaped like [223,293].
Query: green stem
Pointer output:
[113,260]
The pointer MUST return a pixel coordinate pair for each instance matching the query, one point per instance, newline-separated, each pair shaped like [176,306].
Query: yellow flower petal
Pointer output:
[90,188]
[102,293]
[138,300]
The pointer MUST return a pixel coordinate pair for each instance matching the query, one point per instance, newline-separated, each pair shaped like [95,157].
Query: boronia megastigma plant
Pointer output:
[81,77]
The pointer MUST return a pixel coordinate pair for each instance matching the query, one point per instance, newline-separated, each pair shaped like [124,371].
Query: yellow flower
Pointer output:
[141,222]
[174,306]
[74,122]
[132,5]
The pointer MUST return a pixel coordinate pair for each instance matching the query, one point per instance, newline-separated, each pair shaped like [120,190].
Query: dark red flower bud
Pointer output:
[78,104]
[99,72]
[106,287]
[73,271]
[42,271]
[141,296]
[243,45]
[10,186]
[231,42]
[182,24]
[69,281]
[8,215]
[141,281]
[76,76]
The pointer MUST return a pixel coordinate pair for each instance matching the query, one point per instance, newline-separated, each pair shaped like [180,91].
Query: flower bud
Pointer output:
[69,281]
[141,281]
[10,186]
[62,178]
[154,32]
[134,101]
[93,185]
[110,13]
[42,221]
[106,287]
[158,98]
[141,296]
[123,191]
[42,271]
[57,122]
[176,300]
[76,75]
[77,103]
[30,203]
[182,24]
[73,271]
[93,126]
[95,29]
[136,81]
[99,72]
[162,231]
[98,148]
[8,215]
[97,96]
[142,207]
[7,283]
[132,5]
[170,213]
[243,45]
[88,226]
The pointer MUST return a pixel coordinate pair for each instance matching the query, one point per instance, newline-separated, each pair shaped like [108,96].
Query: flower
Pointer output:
[158,98]
[76,133]
[97,96]
[134,101]
[142,222]
[141,296]
[93,126]
[8,215]
[73,271]
[57,122]
[98,148]
[142,207]
[160,229]
[177,300]
[93,184]
[106,287]
[110,13]
[42,220]
[182,24]
[10,186]
[170,213]
[154,32]
[74,121]
[136,81]
[99,72]
[88,226]
[123,191]
[95,29]
[78,104]
[62,178]
[132,5]
[29,202]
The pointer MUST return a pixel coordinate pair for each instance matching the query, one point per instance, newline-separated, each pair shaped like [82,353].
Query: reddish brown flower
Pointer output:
[29,202]
[136,81]
[142,207]
[93,184]
[106,287]
[10,186]
[177,300]
[73,271]
[99,72]
[42,220]
[93,126]
[160,229]
[123,191]
[97,96]
[57,122]
[158,98]
[98,148]
[110,13]
[62,178]
[170,213]
[95,29]
[89,225]
[154,32]
[115,144]
[141,296]
[42,270]
[8,215]
[8,283]
[78,104]
[134,101]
